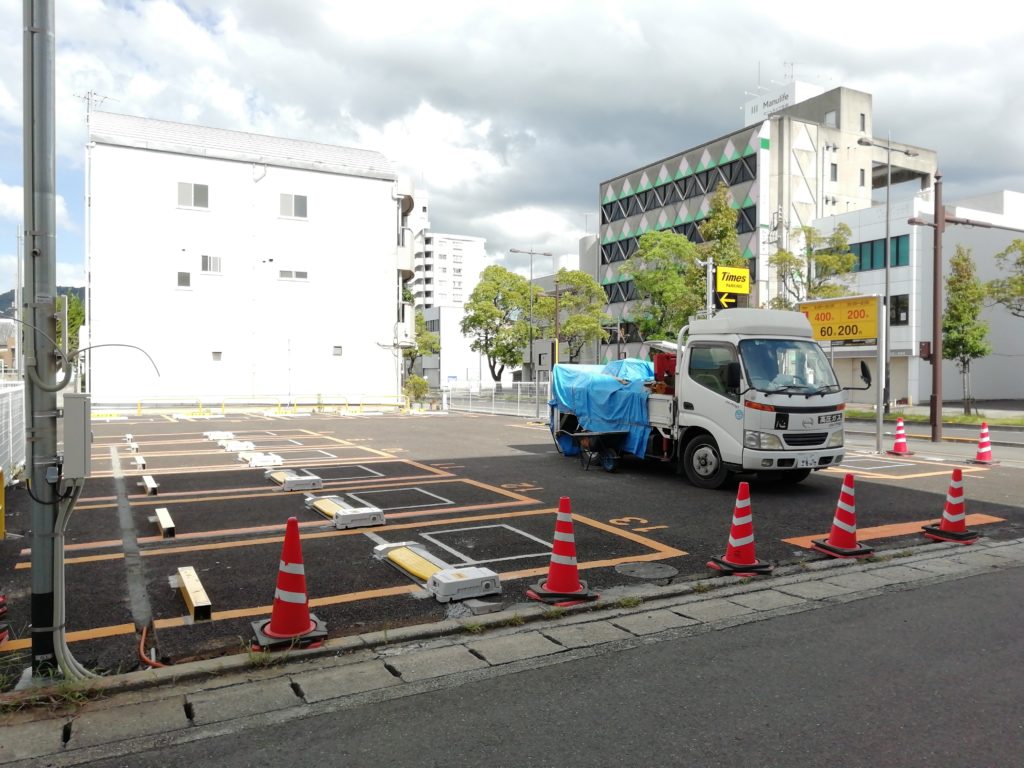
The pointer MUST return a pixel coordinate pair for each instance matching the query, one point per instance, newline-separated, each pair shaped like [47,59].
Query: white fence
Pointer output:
[520,399]
[12,428]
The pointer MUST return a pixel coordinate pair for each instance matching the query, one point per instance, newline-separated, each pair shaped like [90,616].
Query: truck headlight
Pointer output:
[835,440]
[763,441]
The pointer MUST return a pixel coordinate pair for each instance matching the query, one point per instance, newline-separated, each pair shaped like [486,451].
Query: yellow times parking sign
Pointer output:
[732,280]
[854,318]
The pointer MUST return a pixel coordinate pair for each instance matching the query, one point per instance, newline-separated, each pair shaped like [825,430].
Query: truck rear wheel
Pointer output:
[702,463]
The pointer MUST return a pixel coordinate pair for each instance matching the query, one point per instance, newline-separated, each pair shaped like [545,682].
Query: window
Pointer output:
[293,206]
[441,256]
[211,264]
[184,279]
[444,270]
[862,177]
[336,351]
[834,172]
[288,274]
[193,195]
[830,119]
[433,326]
[216,357]
[863,122]
[457,259]
[871,255]
[899,310]
[708,364]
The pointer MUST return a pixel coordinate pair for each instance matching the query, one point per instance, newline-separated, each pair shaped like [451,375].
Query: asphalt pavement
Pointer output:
[912,661]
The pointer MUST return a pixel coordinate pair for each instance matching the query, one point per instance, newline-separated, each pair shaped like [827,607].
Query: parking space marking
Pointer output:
[895,529]
[658,552]
[440,503]
[432,538]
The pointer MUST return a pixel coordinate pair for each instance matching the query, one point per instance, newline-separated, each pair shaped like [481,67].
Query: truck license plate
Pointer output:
[830,418]
[806,461]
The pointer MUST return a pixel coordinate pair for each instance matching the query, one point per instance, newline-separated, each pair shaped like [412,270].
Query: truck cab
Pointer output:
[753,392]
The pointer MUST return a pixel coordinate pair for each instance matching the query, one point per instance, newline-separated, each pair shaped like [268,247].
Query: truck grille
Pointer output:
[805,438]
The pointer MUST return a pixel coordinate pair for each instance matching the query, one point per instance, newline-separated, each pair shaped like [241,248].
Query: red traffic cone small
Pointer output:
[291,624]
[562,586]
[899,445]
[984,454]
[953,526]
[739,558]
[842,541]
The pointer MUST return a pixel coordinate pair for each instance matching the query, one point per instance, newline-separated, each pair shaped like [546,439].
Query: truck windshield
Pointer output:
[787,365]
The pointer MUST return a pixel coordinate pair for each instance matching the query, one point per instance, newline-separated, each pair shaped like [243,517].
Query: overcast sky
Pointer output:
[511,114]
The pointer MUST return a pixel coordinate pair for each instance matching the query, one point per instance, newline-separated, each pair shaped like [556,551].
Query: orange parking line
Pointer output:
[896,529]
[74,637]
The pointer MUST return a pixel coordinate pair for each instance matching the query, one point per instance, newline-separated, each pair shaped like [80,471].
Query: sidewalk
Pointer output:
[140,710]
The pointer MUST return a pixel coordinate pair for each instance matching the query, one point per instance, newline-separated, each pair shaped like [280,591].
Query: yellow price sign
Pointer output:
[850,319]
[732,280]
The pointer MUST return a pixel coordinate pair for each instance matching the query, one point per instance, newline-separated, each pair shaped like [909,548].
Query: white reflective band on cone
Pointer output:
[564,517]
[741,542]
[742,503]
[563,560]
[742,520]
[846,507]
[844,526]
[559,536]
[955,518]
[289,597]
[296,568]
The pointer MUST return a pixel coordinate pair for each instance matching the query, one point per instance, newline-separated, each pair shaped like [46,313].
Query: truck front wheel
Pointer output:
[702,462]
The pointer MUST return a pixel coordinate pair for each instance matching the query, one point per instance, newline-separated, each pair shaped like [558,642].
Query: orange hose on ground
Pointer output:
[142,652]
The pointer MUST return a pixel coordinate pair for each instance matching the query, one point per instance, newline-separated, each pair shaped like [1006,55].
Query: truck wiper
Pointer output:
[788,388]
[824,389]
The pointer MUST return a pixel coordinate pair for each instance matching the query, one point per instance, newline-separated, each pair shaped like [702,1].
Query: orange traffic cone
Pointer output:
[291,624]
[984,454]
[842,541]
[899,445]
[739,558]
[953,526]
[562,586]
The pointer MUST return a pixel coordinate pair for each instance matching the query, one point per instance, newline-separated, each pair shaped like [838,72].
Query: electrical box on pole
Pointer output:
[77,436]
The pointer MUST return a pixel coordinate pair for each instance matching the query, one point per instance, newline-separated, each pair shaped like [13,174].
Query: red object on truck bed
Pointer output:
[665,370]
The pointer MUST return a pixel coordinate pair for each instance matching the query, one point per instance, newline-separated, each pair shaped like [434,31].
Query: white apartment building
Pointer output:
[247,267]
[446,270]
[995,377]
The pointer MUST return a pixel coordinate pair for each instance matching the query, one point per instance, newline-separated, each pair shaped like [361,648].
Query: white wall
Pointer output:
[276,336]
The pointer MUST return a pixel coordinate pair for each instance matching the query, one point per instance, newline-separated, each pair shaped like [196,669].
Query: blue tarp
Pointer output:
[609,398]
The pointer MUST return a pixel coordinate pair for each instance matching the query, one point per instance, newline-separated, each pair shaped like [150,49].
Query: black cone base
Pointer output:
[832,550]
[757,568]
[957,537]
[314,637]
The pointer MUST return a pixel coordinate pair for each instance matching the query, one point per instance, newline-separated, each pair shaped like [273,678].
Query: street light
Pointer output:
[888,307]
[939,222]
[533,373]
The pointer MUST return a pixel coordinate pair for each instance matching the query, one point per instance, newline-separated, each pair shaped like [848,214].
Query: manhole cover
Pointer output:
[647,570]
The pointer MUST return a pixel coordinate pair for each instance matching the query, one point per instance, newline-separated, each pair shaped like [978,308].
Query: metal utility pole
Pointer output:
[533,371]
[39,313]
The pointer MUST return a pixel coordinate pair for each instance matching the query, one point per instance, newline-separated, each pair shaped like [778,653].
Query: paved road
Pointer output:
[926,677]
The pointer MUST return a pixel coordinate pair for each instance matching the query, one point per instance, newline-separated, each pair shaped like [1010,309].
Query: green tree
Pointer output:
[718,231]
[76,316]
[427,343]
[668,281]
[1009,291]
[497,318]
[823,271]
[581,316]
[963,334]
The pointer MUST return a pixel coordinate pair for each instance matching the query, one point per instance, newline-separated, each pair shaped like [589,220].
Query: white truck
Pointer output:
[747,391]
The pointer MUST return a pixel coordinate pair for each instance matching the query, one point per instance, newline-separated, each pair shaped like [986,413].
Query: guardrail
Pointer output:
[519,399]
[12,428]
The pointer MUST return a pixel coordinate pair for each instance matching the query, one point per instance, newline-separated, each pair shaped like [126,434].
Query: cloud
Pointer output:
[12,202]
[512,114]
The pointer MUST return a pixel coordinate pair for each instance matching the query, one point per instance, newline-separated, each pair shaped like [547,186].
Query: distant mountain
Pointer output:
[7,299]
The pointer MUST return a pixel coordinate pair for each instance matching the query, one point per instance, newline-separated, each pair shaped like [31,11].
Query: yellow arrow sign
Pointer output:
[726,299]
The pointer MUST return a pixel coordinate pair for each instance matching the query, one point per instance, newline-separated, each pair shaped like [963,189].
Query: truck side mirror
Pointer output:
[732,376]
[865,374]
